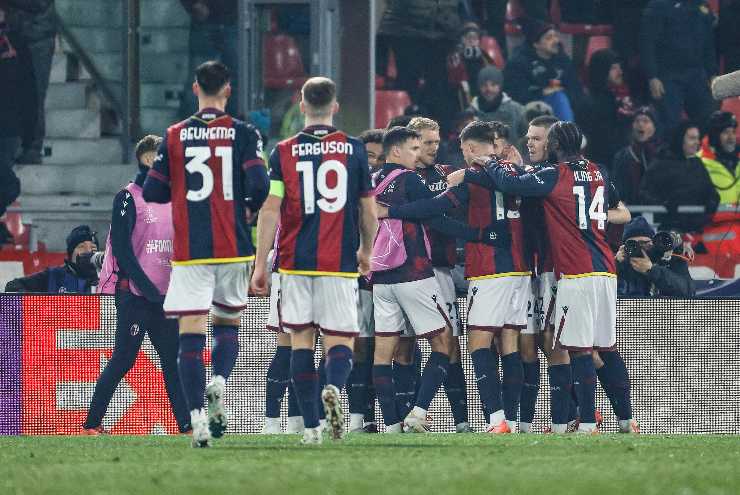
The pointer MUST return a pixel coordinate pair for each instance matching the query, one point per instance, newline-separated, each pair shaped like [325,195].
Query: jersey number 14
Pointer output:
[595,211]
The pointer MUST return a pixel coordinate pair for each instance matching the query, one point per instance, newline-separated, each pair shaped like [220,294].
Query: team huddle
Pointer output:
[379,209]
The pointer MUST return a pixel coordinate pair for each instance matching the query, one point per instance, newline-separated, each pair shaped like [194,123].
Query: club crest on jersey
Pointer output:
[565,310]
[134,329]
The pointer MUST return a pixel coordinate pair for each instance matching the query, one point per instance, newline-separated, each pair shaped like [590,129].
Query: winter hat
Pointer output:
[534,29]
[491,73]
[637,228]
[718,122]
[79,234]
[470,27]
[649,112]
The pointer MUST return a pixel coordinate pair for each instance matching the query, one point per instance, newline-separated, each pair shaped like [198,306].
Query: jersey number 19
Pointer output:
[331,198]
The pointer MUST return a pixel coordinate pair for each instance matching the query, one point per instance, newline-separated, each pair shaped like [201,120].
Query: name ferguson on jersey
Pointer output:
[321,148]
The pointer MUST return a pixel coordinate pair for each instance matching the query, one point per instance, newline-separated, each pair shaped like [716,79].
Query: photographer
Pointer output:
[76,276]
[647,265]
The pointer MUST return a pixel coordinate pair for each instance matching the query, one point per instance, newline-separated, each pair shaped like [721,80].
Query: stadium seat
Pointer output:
[596,43]
[21,232]
[389,104]
[489,45]
[714,6]
[733,105]
[282,64]
[513,11]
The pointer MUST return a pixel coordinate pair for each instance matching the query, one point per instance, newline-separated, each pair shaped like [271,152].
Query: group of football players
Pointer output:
[540,273]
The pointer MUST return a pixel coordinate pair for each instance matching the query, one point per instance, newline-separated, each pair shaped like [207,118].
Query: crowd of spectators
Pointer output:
[644,104]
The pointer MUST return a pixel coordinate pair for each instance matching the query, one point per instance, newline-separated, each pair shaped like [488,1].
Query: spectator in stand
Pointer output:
[17,113]
[606,113]
[421,33]
[540,70]
[728,35]
[654,274]
[450,151]
[678,177]
[721,156]
[213,36]
[677,53]
[35,20]
[78,274]
[631,161]
[493,104]
[465,63]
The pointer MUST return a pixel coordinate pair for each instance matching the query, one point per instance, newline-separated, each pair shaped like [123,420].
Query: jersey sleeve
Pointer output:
[613,195]
[277,187]
[424,204]
[252,151]
[539,183]
[156,187]
[255,182]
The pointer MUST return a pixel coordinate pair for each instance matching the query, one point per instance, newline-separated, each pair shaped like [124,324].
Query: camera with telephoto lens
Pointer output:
[666,241]
[632,249]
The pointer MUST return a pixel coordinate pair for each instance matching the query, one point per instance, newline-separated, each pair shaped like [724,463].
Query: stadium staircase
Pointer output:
[82,164]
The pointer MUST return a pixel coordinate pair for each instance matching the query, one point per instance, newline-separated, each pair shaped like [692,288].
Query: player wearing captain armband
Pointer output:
[209,167]
[320,195]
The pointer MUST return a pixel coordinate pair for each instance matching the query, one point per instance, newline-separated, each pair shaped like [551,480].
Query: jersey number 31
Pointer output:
[595,211]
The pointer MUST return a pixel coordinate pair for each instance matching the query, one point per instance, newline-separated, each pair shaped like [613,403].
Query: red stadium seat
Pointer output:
[389,104]
[282,64]
[733,105]
[596,43]
[21,232]
[714,6]
[489,45]
[513,11]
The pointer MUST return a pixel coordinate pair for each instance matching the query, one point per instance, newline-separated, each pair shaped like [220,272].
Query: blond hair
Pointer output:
[419,124]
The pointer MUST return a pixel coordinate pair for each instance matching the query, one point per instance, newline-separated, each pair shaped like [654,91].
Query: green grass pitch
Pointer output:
[433,464]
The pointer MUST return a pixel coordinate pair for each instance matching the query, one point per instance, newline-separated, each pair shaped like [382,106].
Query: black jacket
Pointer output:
[526,75]
[665,279]
[35,19]
[675,36]
[18,101]
[672,181]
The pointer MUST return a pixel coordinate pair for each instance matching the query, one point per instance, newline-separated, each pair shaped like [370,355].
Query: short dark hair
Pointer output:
[211,76]
[568,137]
[478,130]
[396,136]
[400,121]
[318,93]
[501,130]
[147,144]
[545,121]
[372,136]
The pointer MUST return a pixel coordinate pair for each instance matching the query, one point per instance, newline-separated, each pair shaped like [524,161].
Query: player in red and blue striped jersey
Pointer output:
[496,272]
[209,167]
[320,193]
[577,196]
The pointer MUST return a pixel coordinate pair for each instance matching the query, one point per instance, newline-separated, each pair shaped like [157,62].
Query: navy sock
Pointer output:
[584,382]
[487,379]
[305,383]
[225,349]
[615,380]
[512,384]
[456,394]
[357,388]
[191,368]
[435,374]
[338,365]
[560,385]
[278,375]
[371,396]
[293,408]
[417,371]
[404,383]
[530,389]
[383,381]
[573,404]
[322,384]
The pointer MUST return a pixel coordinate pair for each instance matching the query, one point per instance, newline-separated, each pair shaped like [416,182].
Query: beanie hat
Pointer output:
[470,27]
[79,234]
[534,29]
[718,122]
[491,73]
[649,112]
[638,227]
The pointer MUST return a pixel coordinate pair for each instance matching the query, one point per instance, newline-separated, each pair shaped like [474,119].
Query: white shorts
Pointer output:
[498,303]
[420,301]
[365,314]
[447,290]
[273,318]
[329,303]
[541,306]
[195,288]
[586,313]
